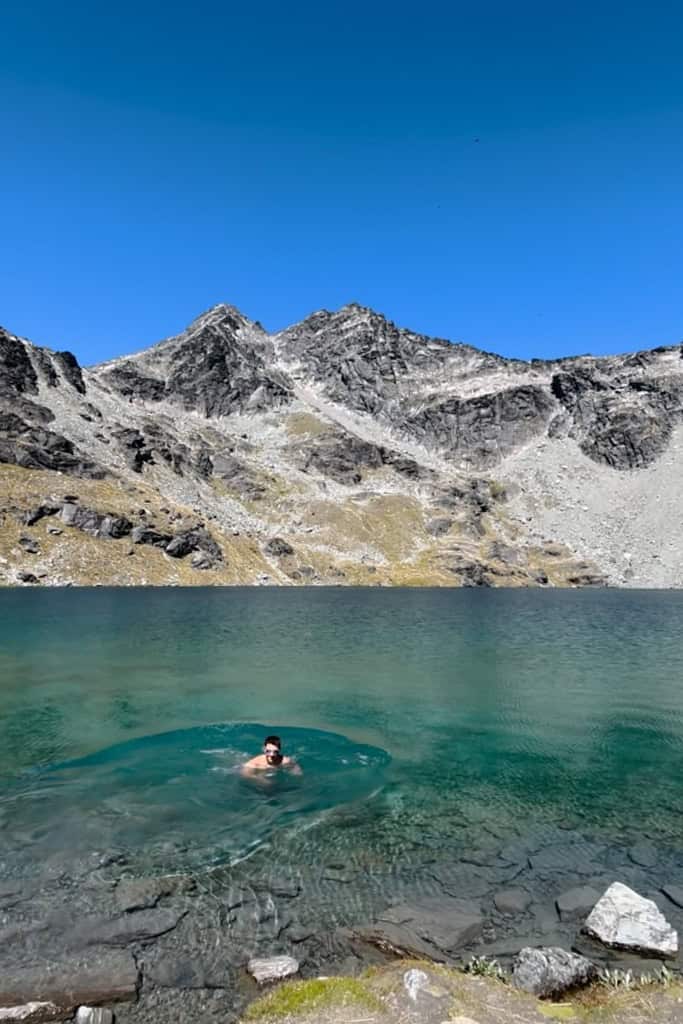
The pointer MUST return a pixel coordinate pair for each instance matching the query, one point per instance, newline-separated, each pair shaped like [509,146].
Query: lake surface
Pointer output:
[430,724]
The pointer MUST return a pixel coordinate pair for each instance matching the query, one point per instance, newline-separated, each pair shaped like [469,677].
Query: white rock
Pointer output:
[272,968]
[413,981]
[32,1013]
[94,1015]
[623,919]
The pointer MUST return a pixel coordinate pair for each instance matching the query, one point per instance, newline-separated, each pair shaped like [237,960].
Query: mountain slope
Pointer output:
[341,450]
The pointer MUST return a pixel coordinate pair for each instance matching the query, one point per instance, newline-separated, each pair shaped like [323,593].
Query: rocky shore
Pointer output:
[554,916]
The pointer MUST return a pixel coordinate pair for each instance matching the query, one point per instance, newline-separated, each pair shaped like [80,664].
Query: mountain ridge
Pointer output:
[343,412]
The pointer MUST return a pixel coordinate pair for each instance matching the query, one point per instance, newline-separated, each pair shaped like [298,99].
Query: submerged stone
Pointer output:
[577,902]
[433,927]
[512,901]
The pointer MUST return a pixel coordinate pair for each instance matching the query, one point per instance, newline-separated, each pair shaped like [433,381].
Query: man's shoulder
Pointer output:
[255,762]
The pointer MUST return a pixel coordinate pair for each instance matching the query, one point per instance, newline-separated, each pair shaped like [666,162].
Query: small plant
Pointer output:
[627,980]
[616,979]
[484,967]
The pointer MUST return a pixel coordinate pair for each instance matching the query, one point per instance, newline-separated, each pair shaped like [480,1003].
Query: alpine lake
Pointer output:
[454,744]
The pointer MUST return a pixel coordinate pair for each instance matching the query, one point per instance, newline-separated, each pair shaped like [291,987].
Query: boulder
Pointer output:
[279,547]
[200,560]
[148,535]
[26,577]
[30,545]
[272,968]
[550,971]
[623,919]
[94,1015]
[32,516]
[180,546]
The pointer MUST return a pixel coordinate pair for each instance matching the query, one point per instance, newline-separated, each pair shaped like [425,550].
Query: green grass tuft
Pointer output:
[314,994]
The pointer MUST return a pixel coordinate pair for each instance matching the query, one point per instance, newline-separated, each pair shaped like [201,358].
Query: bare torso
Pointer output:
[261,764]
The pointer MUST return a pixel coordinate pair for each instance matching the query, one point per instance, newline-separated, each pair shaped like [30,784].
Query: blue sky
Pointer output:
[504,174]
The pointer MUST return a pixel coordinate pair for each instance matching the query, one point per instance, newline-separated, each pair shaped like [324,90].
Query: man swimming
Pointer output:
[272,757]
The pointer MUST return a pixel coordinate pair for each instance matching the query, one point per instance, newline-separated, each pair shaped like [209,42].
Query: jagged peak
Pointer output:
[222,313]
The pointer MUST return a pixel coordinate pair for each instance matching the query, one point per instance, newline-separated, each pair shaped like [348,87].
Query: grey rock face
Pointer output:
[484,429]
[625,920]
[17,375]
[346,459]
[70,370]
[131,383]
[218,367]
[625,422]
[550,971]
[35,447]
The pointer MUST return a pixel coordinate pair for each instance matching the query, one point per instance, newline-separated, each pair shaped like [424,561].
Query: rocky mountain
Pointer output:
[343,449]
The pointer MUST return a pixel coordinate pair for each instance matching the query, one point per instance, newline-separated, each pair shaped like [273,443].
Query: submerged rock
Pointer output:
[106,978]
[577,902]
[512,901]
[625,920]
[435,927]
[550,971]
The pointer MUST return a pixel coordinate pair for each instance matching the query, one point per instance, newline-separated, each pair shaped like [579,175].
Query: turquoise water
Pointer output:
[481,715]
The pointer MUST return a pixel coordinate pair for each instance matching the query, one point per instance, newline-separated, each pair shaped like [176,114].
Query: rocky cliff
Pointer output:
[343,449]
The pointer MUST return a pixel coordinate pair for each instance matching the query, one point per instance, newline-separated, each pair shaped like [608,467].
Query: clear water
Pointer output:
[428,723]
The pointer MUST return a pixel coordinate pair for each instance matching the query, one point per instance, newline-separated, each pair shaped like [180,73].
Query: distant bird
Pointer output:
[476,140]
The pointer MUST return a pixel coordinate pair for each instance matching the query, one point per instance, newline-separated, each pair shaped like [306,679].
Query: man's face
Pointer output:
[273,755]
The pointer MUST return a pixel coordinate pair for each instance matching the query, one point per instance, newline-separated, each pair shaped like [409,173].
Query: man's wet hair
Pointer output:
[273,740]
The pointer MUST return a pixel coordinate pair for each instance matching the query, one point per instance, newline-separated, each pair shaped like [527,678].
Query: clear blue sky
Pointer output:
[505,174]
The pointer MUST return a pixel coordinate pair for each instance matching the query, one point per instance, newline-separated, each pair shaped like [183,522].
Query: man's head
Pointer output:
[271,748]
